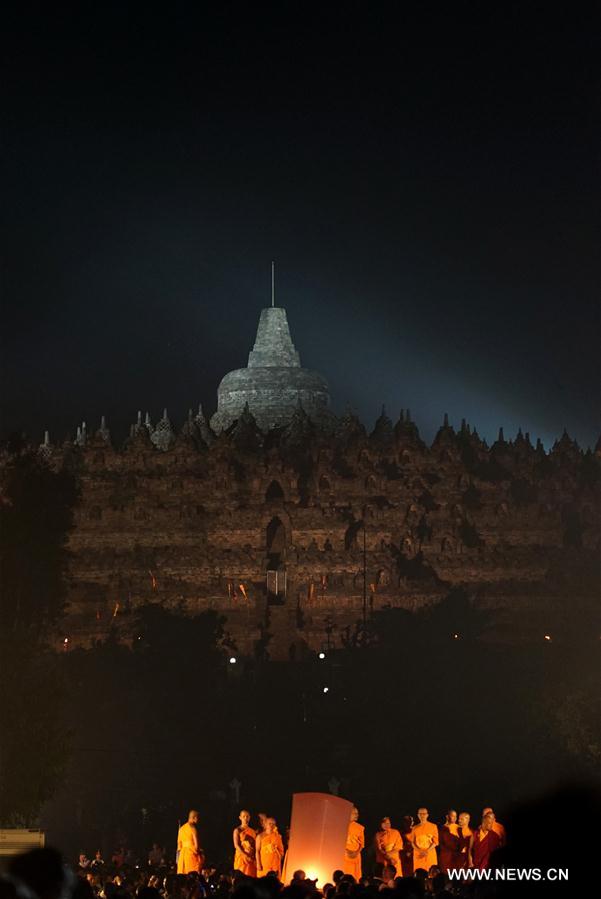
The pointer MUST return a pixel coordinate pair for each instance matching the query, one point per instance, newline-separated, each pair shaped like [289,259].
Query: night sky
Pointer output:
[425,176]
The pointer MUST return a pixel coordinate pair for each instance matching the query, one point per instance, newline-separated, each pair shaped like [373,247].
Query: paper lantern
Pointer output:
[318,831]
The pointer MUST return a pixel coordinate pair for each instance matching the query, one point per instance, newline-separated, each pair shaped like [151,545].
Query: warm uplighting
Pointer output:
[321,655]
[233,660]
[66,640]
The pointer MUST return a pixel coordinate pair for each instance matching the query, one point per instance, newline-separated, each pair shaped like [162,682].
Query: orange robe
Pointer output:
[246,861]
[271,853]
[391,843]
[355,841]
[424,838]
[190,857]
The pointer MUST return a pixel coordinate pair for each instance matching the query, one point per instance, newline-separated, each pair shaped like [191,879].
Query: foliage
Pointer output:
[35,518]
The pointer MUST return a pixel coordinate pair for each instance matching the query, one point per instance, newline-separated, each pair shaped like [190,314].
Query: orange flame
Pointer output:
[243,591]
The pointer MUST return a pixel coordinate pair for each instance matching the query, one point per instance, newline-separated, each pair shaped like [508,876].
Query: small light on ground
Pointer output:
[233,660]
[455,636]
[548,637]
[321,655]
[326,689]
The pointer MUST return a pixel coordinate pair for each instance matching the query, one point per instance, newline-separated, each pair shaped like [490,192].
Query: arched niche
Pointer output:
[274,493]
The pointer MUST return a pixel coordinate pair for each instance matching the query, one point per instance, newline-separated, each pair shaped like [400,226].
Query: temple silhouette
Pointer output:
[298,526]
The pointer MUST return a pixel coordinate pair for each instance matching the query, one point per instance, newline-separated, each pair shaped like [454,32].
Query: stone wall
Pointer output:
[199,526]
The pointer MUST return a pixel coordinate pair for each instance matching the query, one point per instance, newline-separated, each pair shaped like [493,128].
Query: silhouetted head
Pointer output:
[41,870]
[148,893]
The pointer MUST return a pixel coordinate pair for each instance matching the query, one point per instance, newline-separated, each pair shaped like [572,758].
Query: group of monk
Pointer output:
[256,852]
[399,853]
[453,845]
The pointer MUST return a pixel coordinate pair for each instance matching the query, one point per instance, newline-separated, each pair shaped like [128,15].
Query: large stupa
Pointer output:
[273,383]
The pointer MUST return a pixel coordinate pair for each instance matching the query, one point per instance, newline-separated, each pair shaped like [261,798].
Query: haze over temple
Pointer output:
[274,383]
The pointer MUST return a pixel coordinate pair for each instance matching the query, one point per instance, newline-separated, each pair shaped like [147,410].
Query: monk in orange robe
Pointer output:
[269,850]
[244,845]
[190,856]
[424,837]
[389,843]
[465,836]
[496,825]
[355,841]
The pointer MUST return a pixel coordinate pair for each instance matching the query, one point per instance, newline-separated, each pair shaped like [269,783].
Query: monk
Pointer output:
[424,837]
[483,843]
[449,849]
[269,850]
[244,845]
[190,856]
[355,841]
[465,834]
[388,843]
[496,826]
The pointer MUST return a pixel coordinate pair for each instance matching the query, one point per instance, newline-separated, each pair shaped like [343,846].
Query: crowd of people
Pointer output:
[413,859]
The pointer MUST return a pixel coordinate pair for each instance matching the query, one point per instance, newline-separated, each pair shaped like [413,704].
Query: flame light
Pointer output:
[318,830]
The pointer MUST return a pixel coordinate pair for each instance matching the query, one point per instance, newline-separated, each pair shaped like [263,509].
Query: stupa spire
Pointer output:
[273,343]
[273,381]
[273,284]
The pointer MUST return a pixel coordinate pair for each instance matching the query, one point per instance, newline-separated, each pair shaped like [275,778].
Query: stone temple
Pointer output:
[295,524]
[273,384]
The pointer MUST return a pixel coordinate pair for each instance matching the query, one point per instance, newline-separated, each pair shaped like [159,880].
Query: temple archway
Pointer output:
[276,561]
